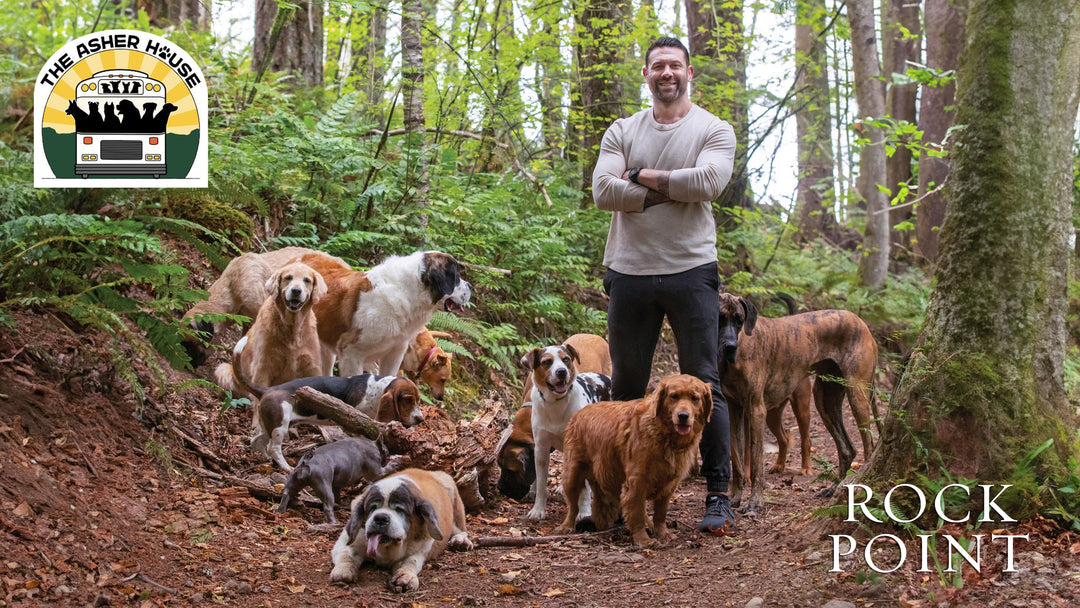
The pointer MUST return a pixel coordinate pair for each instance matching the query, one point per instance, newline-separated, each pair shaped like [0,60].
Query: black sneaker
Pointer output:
[718,516]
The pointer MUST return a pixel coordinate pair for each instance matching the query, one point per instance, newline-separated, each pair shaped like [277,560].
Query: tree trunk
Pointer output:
[986,386]
[299,50]
[717,52]
[813,122]
[194,14]
[551,74]
[412,85]
[944,44]
[870,95]
[601,93]
[901,44]
[374,65]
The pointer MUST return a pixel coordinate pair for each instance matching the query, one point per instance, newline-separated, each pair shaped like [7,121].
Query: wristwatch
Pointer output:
[634,174]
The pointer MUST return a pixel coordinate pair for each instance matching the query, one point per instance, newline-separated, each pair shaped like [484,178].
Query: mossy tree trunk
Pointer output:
[299,48]
[986,385]
[599,44]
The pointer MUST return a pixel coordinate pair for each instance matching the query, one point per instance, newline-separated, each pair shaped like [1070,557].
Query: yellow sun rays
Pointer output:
[182,121]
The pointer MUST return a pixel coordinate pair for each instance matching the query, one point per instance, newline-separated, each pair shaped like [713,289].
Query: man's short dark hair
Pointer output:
[667,41]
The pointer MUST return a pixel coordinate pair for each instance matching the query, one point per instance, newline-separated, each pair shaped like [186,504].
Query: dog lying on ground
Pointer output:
[400,523]
[382,398]
[634,451]
[369,333]
[558,392]
[426,362]
[330,468]
[516,453]
[283,342]
[763,361]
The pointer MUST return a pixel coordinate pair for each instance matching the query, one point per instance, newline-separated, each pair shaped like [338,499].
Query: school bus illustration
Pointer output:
[120,122]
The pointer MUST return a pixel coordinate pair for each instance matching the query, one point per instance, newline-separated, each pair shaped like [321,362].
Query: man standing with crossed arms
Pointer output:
[658,171]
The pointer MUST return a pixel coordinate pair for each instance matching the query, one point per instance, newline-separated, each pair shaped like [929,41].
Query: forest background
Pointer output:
[367,129]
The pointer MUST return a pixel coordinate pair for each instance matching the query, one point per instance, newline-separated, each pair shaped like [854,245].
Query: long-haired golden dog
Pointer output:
[283,342]
[634,451]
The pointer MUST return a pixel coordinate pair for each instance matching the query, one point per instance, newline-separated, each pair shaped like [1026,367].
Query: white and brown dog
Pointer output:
[400,522]
[382,398]
[367,319]
[283,342]
[558,392]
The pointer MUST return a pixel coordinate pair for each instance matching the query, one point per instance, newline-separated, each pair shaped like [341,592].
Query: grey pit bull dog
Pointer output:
[331,467]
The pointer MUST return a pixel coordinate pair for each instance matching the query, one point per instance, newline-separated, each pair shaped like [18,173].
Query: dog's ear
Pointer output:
[573,352]
[320,288]
[661,396]
[387,407]
[427,515]
[357,519]
[707,401]
[531,359]
[751,316]
[272,282]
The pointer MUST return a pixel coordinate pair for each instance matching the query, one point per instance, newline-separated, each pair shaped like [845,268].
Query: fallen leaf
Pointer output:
[1074,548]
[510,590]
[33,584]
[513,557]
[498,521]
[296,588]
[23,510]
[554,593]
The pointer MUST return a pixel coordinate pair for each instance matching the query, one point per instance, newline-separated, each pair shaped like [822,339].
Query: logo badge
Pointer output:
[120,108]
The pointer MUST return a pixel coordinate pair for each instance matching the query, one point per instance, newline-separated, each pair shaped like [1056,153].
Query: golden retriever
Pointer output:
[283,342]
[634,451]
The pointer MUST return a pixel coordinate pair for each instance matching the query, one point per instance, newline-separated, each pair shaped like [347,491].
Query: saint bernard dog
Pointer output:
[400,522]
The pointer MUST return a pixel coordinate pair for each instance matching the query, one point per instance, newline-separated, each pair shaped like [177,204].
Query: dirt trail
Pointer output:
[99,506]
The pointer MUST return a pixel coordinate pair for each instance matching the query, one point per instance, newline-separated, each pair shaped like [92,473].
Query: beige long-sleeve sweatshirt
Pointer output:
[699,150]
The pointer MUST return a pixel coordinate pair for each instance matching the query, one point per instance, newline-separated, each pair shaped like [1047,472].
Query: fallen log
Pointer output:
[481,542]
[346,416]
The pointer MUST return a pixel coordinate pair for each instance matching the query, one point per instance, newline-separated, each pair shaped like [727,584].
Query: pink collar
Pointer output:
[424,361]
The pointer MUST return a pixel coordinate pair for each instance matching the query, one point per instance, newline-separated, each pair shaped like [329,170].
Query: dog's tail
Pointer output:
[232,375]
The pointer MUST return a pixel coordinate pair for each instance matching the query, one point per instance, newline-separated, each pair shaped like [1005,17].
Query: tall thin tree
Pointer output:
[813,122]
[902,42]
[599,36]
[870,95]
[944,45]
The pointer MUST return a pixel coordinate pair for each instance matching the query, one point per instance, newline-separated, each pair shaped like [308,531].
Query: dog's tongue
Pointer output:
[682,430]
[373,545]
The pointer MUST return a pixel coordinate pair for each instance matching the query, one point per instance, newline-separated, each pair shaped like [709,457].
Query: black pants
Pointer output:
[691,302]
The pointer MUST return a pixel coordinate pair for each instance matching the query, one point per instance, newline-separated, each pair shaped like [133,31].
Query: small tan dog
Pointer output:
[400,522]
[426,362]
[634,451]
[283,342]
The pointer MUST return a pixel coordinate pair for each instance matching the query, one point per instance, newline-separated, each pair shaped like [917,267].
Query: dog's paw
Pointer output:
[777,468]
[537,513]
[643,541]
[343,573]
[460,542]
[403,580]
[562,528]
[664,536]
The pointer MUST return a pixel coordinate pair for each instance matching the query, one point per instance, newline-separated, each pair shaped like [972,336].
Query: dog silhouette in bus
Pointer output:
[119,128]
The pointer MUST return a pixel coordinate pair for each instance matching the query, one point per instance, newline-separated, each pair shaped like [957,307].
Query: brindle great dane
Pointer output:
[762,361]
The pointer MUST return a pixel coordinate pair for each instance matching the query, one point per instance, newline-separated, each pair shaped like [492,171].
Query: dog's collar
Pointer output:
[424,361]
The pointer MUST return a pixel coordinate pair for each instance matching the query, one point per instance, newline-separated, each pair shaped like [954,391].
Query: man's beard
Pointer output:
[672,94]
